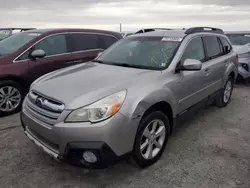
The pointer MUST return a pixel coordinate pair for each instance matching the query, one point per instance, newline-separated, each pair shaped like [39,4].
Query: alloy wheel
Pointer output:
[10,98]
[227,91]
[152,139]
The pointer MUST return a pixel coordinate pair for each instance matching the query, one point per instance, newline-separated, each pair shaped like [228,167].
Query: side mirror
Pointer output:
[36,54]
[191,65]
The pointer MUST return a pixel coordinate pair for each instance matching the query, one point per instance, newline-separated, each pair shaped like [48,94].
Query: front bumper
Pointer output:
[110,140]
[73,153]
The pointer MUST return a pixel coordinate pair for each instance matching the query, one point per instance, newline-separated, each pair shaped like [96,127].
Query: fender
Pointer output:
[136,106]
[231,68]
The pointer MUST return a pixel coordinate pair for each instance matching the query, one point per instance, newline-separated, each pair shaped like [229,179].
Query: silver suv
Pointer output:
[130,98]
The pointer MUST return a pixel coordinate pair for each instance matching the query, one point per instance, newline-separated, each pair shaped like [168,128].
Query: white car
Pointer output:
[6,32]
[241,44]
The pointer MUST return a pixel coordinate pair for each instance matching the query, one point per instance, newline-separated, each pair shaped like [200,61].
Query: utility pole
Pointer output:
[120,27]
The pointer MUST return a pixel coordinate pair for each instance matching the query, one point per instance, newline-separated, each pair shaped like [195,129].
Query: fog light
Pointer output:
[89,156]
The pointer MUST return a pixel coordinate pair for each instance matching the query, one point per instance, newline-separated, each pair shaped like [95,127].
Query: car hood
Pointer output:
[83,84]
[241,49]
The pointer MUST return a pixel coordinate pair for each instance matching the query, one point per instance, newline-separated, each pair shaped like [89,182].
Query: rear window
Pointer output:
[239,39]
[14,42]
[225,45]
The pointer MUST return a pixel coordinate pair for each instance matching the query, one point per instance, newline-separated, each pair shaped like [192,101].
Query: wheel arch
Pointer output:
[231,71]
[164,107]
[17,79]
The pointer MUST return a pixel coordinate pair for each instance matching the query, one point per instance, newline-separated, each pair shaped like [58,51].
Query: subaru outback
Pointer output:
[128,100]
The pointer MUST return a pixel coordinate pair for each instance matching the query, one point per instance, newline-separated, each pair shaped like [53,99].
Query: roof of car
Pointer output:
[161,33]
[61,30]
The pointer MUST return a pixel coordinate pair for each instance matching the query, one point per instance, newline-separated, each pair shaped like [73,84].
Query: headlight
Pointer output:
[100,110]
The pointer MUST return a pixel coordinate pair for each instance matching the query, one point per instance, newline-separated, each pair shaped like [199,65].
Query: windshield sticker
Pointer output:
[172,39]
[34,34]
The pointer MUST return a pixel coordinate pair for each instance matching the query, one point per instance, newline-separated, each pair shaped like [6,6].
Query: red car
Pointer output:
[28,55]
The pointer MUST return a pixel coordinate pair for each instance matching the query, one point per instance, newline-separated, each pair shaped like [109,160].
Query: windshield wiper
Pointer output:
[126,65]
[97,61]
[118,64]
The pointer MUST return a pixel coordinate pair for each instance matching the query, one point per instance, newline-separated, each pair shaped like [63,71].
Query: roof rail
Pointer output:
[26,29]
[22,29]
[204,29]
[150,29]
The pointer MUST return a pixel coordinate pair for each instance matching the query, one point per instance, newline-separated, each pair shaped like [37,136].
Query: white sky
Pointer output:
[107,14]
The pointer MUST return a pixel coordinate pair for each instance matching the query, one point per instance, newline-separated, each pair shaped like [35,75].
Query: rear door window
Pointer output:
[212,47]
[106,41]
[81,42]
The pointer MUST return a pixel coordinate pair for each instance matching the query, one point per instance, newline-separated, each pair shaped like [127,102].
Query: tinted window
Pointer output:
[14,42]
[80,42]
[106,41]
[212,46]
[53,45]
[147,53]
[239,39]
[194,50]
[225,45]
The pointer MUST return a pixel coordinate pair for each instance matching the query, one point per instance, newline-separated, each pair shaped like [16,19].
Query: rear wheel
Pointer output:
[151,139]
[226,93]
[11,95]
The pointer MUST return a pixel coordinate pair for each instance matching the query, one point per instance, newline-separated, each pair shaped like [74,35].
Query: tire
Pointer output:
[142,158]
[221,102]
[16,98]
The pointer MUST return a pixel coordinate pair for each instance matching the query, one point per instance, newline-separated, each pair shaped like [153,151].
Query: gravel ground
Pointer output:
[211,150]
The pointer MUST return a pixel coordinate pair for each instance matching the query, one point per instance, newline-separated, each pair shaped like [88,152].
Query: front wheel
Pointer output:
[10,97]
[225,96]
[151,139]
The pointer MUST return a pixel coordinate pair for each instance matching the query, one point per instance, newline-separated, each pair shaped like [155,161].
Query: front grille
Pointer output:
[43,109]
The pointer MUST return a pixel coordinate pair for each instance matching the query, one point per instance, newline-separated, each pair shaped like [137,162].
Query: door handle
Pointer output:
[69,62]
[78,61]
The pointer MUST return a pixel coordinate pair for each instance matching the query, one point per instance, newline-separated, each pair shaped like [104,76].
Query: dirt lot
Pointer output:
[212,150]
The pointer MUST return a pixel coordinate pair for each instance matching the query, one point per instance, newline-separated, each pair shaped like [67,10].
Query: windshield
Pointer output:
[14,42]
[141,52]
[4,33]
[239,39]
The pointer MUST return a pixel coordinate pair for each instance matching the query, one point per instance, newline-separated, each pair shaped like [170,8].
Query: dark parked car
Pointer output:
[6,32]
[28,55]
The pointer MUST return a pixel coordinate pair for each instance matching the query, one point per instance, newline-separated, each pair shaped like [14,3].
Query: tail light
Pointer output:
[237,57]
